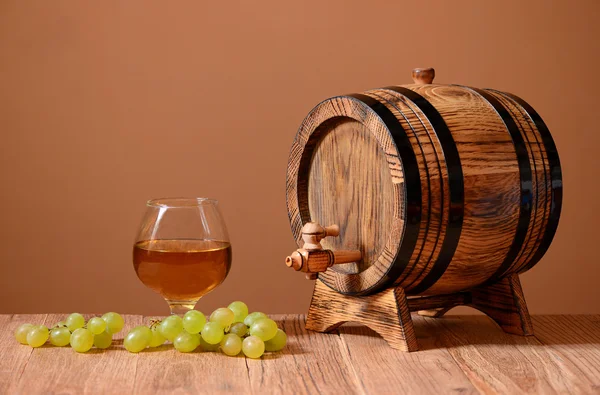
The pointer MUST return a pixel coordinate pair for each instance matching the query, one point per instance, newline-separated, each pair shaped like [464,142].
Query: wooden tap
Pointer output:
[312,258]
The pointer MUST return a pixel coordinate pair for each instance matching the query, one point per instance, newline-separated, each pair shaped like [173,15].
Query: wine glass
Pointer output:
[182,250]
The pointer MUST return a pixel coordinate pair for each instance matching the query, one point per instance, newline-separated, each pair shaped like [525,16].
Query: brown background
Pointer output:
[106,104]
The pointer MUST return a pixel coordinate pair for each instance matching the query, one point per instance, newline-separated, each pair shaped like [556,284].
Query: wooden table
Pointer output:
[467,354]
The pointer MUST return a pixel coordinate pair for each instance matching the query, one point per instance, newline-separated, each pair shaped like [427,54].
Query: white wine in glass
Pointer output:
[182,250]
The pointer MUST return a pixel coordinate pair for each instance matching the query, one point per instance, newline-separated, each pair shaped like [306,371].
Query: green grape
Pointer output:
[212,333]
[157,338]
[75,321]
[82,340]
[193,321]
[186,342]
[103,340]
[60,324]
[277,343]
[249,320]
[60,337]
[265,328]
[207,346]
[171,326]
[37,335]
[239,328]
[145,331]
[253,347]
[96,325]
[114,322]
[240,311]
[138,339]
[222,316]
[21,333]
[231,344]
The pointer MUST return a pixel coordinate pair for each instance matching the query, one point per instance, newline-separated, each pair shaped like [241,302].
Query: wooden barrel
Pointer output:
[441,187]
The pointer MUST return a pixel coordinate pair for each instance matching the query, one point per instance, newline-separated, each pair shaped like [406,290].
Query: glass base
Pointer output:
[180,307]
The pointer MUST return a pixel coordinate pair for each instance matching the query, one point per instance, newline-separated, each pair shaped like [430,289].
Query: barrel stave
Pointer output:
[541,185]
[434,182]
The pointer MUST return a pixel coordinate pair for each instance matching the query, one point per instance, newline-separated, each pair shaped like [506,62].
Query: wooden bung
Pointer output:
[423,76]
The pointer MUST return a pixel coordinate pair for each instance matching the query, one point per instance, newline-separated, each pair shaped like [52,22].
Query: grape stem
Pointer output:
[154,323]
[58,326]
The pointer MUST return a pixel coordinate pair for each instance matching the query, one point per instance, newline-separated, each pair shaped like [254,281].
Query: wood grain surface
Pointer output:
[458,354]
[385,312]
[60,367]
[349,159]
[443,188]
[388,312]
[331,114]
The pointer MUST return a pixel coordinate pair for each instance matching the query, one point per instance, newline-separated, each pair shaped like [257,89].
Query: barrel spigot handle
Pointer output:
[313,233]
[423,76]
[312,258]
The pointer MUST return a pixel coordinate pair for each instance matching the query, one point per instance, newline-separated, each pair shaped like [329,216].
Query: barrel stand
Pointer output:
[388,312]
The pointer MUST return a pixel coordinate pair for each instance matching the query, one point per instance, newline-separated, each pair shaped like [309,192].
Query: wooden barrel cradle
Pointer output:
[442,188]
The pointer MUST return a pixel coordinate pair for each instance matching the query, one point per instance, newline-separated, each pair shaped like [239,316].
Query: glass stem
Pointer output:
[180,307]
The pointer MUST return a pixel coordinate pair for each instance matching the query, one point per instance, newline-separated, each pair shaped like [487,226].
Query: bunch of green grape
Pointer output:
[230,329]
[98,332]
